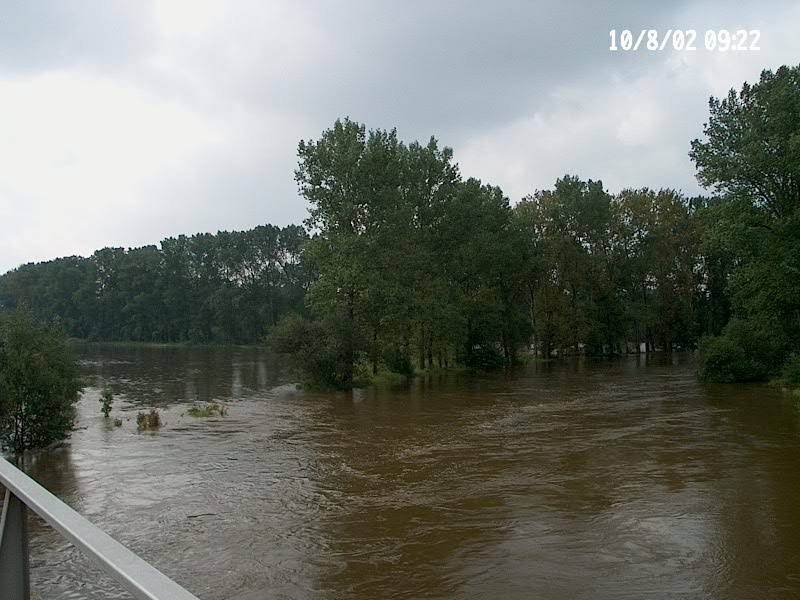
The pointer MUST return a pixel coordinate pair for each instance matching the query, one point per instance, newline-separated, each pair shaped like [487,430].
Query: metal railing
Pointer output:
[19,491]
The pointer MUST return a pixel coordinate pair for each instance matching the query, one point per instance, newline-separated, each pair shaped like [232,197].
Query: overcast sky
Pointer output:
[125,122]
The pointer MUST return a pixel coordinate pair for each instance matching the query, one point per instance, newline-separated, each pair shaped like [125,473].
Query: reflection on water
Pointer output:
[613,479]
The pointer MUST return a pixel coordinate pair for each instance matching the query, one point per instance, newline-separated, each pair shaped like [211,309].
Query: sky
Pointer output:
[122,123]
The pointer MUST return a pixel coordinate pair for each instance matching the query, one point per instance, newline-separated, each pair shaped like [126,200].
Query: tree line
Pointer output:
[418,267]
[231,287]
[405,264]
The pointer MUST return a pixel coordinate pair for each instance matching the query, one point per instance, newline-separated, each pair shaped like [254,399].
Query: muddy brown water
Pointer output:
[609,479]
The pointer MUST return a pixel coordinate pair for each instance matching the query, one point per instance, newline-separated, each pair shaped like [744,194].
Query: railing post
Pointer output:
[14,573]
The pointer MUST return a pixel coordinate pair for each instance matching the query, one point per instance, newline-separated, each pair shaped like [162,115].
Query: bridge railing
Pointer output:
[18,492]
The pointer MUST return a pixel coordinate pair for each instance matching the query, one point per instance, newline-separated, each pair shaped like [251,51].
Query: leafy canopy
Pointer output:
[39,383]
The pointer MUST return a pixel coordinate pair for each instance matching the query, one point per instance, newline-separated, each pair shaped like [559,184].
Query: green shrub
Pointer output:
[790,375]
[106,399]
[151,420]
[397,360]
[745,351]
[723,361]
[316,351]
[485,357]
[39,383]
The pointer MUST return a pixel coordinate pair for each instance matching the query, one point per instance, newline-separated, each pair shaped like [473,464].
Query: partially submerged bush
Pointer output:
[316,351]
[744,352]
[106,399]
[722,360]
[484,357]
[151,420]
[210,409]
[790,375]
[397,360]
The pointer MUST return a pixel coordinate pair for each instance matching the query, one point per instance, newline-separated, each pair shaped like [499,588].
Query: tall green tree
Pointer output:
[571,280]
[414,266]
[344,184]
[659,236]
[751,157]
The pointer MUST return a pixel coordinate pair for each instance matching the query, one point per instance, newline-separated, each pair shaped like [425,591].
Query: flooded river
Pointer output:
[611,480]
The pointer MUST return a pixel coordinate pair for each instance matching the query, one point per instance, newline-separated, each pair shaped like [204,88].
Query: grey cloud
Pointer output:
[43,35]
[428,67]
[268,74]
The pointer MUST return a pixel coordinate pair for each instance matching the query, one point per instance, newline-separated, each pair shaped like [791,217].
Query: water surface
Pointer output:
[612,479]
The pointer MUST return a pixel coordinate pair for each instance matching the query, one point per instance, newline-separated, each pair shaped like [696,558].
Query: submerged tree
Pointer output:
[608,274]
[415,267]
[39,383]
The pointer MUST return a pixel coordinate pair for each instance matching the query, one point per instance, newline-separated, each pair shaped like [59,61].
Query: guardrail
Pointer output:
[19,491]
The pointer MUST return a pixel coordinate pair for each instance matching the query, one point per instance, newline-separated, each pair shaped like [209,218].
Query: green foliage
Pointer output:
[230,287]
[744,352]
[721,360]
[39,383]
[316,350]
[106,400]
[148,420]
[211,409]
[607,273]
[397,360]
[790,375]
[751,155]
[485,357]
[416,266]
[752,145]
